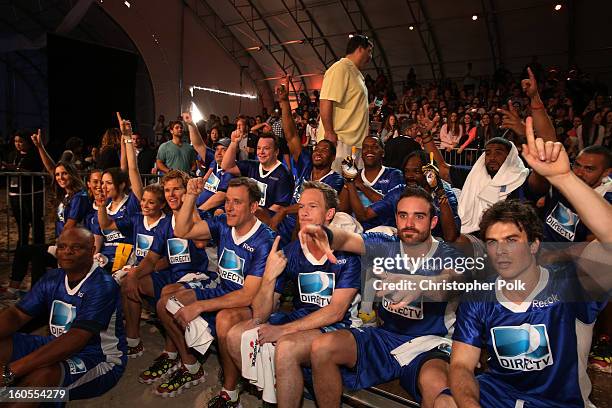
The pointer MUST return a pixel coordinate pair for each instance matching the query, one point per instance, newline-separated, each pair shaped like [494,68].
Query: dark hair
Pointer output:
[418,192]
[119,177]
[174,123]
[269,135]
[76,183]
[329,194]
[600,150]
[378,141]
[421,154]
[250,184]
[357,41]
[500,141]
[175,174]
[515,212]
[332,146]
[25,136]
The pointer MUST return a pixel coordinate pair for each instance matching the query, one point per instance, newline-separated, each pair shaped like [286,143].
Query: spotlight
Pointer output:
[474,17]
[127,4]
[558,7]
[196,115]
[411,28]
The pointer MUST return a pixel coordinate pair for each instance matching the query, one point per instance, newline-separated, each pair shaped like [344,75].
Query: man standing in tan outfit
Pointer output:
[344,101]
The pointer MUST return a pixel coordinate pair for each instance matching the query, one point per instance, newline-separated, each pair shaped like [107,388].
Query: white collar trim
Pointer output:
[149,227]
[75,290]
[370,184]
[261,169]
[239,240]
[330,172]
[310,257]
[121,203]
[523,306]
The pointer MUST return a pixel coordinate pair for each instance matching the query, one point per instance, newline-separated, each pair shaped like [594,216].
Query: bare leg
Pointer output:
[226,319]
[6,349]
[173,331]
[329,352]
[292,352]
[166,292]
[132,309]
[234,338]
[433,379]
[41,377]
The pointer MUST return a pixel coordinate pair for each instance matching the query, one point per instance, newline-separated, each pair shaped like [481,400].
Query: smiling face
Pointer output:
[237,207]
[266,151]
[312,208]
[111,190]
[219,152]
[63,178]
[372,153]
[151,204]
[509,250]
[322,155]
[173,193]
[413,172]
[414,220]
[94,182]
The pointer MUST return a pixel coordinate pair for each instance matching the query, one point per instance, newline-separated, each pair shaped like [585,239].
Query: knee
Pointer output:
[322,350]
[225,320]
[44,376]
[444,401]
[170,289]
[285,350]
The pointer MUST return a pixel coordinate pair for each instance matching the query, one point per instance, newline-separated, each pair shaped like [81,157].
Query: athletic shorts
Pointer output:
[375,364]
[86,374]
[163,278]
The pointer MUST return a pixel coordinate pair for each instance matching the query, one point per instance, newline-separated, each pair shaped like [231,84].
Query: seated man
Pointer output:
[272,177]
[243,245]
[537,337]
[444,199]
[306,166]
[86,349]
[372,183]
[215,187]
[316,310]
[364,357]
[183,256]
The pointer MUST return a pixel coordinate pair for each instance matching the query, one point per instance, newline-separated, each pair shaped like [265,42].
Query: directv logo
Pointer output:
[76,365]
[113,235]
[178,251]
[60,212]
[316,288]
[61,318]
[230,266]
[143,244]
[563,221]
[412,311]
[263,187]
[212,184]
[522,348]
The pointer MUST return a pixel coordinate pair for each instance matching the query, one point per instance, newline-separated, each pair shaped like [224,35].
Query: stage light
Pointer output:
[219,91]
[351,35]
[196,115]
[558,7]
[411,28]
[292,42]
[474,17]
[257,48]
[127,4]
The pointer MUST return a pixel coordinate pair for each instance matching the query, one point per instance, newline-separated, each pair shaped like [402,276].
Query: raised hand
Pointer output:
[315,235]
[125,126]
[195,186]
[511,120]
[100,197]
[188,119]
[276,262]
[432,174]
[282,91]
[548,159]
[36,139]
[530,85]
[237,136]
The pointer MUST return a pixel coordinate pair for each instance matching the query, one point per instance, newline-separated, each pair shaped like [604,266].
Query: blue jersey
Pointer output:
[94,304]
[113,238]
[386,208]
[217,181]
[239,257]
[142,233]
[386,179]
[538,349]
[302,171]
[276,185]
[316,280]
[421,317]
[182,254]
[76,209]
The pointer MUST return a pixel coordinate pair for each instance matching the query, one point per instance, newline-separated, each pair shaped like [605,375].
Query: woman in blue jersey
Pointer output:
[139,225]
[72,204]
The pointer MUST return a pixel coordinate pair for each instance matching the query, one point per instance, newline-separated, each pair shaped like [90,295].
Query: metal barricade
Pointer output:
[24,206]
[467,158]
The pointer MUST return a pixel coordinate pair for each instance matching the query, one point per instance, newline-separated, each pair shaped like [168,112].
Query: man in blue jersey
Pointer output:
[372,183]
[182,256]
[217,180]
[86,349]
[423,318]
[326,300]
[306,166]
[243,245]
[445,200]
[272,177]
[538,336]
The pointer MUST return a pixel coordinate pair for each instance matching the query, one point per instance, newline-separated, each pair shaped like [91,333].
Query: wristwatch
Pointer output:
[127,140]
[8,376]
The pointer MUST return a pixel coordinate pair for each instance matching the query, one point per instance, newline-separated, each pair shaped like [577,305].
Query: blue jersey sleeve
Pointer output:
[284,191]
[133,204]
[335,181]
[224,183]
[210,156]
[98,307]
[385,208]
[258,264]
[301,167]
[160,237]
[36,301]
[247,167]
[469,325]
[291,252]
[78,207]
[395,178]
[350,277]
[371,238]
[126,224]
[215,225]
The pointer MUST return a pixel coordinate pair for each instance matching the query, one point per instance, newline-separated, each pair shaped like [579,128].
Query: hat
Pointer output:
[225,142]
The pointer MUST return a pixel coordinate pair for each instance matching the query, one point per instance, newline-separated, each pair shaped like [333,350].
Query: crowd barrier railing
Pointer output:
[467,158]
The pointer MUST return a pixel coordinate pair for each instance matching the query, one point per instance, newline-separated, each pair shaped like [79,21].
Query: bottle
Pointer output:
[349,166]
